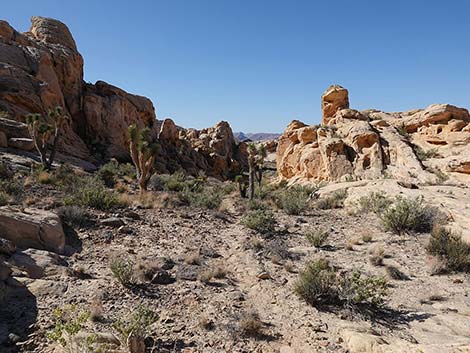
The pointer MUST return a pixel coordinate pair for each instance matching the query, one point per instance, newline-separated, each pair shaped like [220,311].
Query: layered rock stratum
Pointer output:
[42,69]
[423,145]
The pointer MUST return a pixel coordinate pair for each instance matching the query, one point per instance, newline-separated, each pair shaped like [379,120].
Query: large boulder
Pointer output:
[32,228]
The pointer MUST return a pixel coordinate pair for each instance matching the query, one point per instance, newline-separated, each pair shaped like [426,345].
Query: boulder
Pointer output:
[3,140]
[7,247]
[21,143]
[333,99]
[32,228]
[36,263]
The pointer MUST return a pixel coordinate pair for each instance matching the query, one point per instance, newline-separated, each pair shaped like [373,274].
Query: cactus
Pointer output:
[143,154]
[261,155]
[45,133]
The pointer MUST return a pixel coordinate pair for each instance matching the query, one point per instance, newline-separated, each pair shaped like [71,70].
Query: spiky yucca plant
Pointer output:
[256,158]
[142,153]
[45,133]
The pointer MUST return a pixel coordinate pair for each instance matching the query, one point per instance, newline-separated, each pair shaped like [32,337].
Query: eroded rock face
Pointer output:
[371,144]
[333,99]
[212,150]
[42,68]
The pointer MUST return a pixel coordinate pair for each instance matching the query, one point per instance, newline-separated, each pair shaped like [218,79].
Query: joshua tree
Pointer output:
[260,156]
[242,182]
[255,167]
[45,132]
[142,153]
[251,170]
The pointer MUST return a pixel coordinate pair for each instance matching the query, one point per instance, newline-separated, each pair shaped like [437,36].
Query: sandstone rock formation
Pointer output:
[212,150]
[335,98]
[42,68]
[350,144]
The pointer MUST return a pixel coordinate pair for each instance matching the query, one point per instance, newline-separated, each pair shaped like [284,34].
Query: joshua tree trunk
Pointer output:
[251,187]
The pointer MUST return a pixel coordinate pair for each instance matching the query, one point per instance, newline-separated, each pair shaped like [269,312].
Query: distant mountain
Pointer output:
[259,136]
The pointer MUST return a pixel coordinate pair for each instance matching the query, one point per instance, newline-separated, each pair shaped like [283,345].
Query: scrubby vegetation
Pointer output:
[450,248]
[410,215]
[375,202]
[74,216]
[321,284]
[110,172]
[90,191]
[262,221]
[123,270]
[316,237]
[293,200]
[333,200]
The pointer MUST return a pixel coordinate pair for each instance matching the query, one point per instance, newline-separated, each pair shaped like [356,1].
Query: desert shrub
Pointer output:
[333,200]
[319,283]
[90,192]
[450,247]
[133,331]
[4,198]
[294,200]
[262,221]
[256,205]
[423,155]
[377,254]
[73,215]
[250,324]
[410,215]
[209,198]
[111,171]
[441,176]
[356,289]
[376,202]
[402,131]
[69,321]
[395,273]
[316,237]
[123,270]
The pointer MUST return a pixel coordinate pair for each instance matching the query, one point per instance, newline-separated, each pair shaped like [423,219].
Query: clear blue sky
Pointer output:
[261,63]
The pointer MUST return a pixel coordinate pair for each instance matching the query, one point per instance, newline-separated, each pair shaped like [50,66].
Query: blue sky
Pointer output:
[261,63]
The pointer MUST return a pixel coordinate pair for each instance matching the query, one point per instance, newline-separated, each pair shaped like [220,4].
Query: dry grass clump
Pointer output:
[96,310]
[333,200]
[207,275]
[449,248]
[74,216]
[250,324]
[376,255]
[316,237]
[375,202]
[366,237]
[289,266]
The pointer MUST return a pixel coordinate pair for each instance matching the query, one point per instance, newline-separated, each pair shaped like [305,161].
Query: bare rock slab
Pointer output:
[32,228]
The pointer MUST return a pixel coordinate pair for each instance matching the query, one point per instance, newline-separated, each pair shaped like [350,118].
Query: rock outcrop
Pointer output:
[212,150]
[350,144]
[42,68]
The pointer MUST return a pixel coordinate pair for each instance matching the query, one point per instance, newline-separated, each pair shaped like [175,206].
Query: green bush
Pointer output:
[451,248]
[262,221]
[333,200]
[294,200]
[209,198]
[69,322]
[319,283]
[256,205]
[425,155]
[376,202]
[316,237]
[123,270]
[137,327]
[111,171]
[410,215]
[90,192]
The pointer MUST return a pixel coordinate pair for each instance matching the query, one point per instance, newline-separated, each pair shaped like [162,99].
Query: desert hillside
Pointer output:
[121,232]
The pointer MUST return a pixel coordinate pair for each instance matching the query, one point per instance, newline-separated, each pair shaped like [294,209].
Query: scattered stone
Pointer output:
[125,230]
[113,222]
[25,144]
[162,277]
[263,275]
[7,247]
[35,262]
